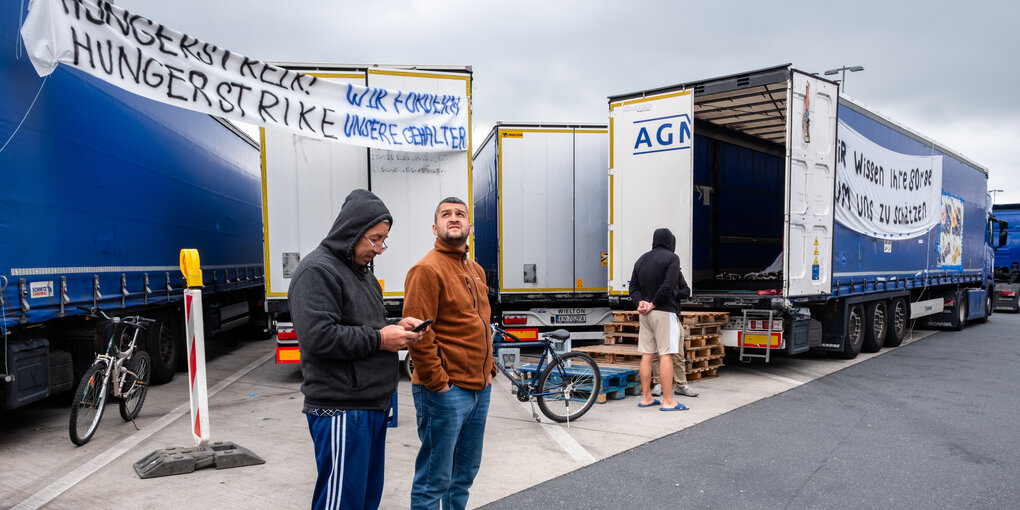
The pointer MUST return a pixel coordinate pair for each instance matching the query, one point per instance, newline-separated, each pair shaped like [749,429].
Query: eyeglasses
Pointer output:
[381,247]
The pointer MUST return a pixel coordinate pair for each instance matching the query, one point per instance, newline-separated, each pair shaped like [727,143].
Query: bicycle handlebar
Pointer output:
[133,320]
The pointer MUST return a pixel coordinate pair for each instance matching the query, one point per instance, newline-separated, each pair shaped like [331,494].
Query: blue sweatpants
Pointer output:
[350,456]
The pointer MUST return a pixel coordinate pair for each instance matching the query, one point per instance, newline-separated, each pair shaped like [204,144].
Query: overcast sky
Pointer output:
[945,69]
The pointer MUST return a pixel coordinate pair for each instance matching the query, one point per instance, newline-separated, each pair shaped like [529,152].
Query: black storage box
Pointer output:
[29,362]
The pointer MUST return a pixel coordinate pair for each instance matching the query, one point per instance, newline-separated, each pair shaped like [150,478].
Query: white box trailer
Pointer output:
[540,204]
[812,219]
[305,182]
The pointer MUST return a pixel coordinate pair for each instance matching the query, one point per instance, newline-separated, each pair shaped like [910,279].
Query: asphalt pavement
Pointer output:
[932,424]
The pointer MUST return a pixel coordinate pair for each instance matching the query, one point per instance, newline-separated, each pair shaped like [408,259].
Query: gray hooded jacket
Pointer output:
[337,309]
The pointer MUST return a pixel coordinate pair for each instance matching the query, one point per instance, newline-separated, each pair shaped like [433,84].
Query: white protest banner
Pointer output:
[148,59]
[882,193]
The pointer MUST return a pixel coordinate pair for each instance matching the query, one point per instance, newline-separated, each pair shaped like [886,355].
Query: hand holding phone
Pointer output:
[421,326]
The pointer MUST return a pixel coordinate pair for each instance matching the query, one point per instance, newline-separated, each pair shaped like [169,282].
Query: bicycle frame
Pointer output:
[114,358]
[547,353]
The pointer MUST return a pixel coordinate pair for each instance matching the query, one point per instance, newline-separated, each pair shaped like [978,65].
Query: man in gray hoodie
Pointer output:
[348,354]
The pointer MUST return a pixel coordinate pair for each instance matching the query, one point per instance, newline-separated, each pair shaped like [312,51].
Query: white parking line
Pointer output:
[562,438]
[767,375]
[71,479]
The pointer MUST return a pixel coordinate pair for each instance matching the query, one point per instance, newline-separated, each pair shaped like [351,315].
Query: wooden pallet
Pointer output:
[619,355]
[626,332]
[704,328]
[697,365]
[690,318]
[708,373]
[703,351]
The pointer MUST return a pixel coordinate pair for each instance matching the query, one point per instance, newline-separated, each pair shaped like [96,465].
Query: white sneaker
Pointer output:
[657,390]
[685,391]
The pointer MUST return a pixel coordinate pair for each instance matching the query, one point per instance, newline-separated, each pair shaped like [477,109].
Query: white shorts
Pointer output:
[659,333]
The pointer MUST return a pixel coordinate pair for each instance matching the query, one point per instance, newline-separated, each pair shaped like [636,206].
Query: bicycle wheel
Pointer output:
[573,383]
[87,406]
[135,387]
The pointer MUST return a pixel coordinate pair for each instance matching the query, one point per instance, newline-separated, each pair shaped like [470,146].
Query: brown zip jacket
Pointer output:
[450,289]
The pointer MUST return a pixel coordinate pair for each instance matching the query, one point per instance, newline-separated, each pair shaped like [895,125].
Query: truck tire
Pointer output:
[854,339]
[876,326]
[164,347]
[407,366]
[898,316]
[989,304]
[960,318]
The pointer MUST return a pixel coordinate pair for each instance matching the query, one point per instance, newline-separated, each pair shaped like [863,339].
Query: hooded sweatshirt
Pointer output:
[657,277]
[337,309]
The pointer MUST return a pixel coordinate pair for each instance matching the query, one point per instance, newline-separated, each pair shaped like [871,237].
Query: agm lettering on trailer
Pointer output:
[663,134]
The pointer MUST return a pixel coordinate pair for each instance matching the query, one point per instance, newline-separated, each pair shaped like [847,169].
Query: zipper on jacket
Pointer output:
[485,325]
[474,300]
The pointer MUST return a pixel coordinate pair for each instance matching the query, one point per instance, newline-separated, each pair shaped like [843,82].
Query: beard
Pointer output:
[454,237]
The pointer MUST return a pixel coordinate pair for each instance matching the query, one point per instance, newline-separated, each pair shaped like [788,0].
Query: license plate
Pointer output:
[570,319]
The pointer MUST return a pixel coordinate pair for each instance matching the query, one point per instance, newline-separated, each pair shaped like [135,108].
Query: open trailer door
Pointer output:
[651,179]
[810,181]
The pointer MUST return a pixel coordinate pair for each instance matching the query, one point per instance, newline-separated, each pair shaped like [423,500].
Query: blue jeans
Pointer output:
[451,426]
[350,456]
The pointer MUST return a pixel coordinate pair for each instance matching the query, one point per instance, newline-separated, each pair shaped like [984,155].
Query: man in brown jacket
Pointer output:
[452,362]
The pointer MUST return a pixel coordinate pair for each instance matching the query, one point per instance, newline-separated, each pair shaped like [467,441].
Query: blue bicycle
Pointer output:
[565,389]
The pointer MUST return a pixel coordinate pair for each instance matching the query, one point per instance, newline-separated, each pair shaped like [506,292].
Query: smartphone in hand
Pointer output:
[421,326]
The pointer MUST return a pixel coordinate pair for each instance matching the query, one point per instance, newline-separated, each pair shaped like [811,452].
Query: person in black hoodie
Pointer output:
[656,286]
[348,354]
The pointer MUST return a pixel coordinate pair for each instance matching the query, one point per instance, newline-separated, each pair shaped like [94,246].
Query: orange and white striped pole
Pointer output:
[195,329]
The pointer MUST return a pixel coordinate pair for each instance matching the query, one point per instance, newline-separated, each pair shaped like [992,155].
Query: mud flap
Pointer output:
[177,460]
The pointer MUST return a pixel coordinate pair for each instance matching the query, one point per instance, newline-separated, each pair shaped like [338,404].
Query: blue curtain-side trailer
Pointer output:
[101,190]
[814,221]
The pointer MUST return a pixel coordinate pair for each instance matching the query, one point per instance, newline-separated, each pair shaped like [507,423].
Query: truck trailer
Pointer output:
[815,221]
[102,189]
[306,180]
[1007,257]
[540,203]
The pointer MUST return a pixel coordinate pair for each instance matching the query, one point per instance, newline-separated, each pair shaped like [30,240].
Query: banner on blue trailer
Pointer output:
[882,193]
[151,60]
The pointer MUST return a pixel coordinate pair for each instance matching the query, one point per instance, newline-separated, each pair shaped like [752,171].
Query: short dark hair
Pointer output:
[447,200]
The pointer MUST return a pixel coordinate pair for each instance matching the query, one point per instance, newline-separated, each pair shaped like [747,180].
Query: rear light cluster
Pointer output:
[286,334]
[949,302]
[515,319]
[1008,293]
[763,325]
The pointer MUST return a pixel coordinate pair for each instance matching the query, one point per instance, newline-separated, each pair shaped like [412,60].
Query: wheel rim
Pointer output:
[899,318]
[855,325]
[137,387]
[89,407]
[879,320]
[571,391]
[166,343]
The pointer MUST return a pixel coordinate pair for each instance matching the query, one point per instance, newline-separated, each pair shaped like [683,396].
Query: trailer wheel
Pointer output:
[854,339]
[876,326]
[961,311]
[163,347]
[989,298]
[897,323]
[407,366]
